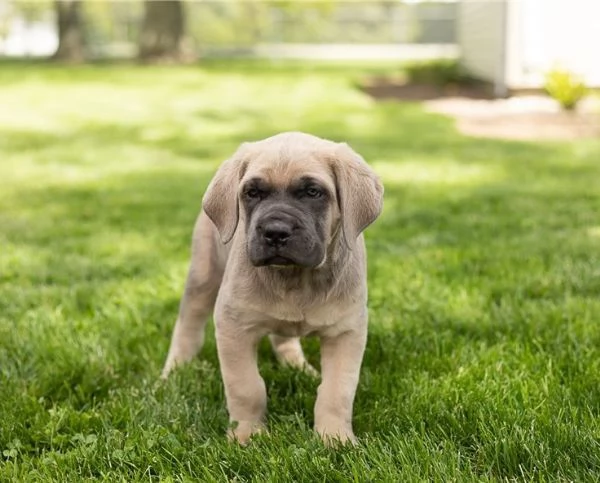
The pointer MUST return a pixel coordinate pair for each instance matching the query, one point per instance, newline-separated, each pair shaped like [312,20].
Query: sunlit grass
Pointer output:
[483,361]
[436,171]
[594,231]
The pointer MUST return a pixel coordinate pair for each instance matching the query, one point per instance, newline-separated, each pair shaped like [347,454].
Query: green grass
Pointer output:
[483,361]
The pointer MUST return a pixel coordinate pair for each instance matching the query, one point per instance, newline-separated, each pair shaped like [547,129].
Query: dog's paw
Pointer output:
[244,430]
[336,436]
[310,370]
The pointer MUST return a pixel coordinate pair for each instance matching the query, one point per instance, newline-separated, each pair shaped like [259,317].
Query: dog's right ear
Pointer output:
[220,201]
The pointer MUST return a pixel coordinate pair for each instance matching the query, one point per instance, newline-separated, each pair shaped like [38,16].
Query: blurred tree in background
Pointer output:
[163,30]
[71,38]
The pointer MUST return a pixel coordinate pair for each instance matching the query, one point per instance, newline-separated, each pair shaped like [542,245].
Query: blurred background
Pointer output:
[122,29]
[465,48]
[509,43]
[540,55]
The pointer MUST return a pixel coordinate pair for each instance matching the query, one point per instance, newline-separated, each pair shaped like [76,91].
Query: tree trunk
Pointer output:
[70,31]
[162,31]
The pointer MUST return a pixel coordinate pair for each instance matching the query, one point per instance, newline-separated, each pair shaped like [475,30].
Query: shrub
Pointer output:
[438,72]
[565,87]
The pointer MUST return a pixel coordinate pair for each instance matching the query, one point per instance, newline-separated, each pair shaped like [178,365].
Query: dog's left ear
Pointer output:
[359,192]
[220,201]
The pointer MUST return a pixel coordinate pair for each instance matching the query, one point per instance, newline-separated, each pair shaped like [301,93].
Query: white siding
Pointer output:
[516,42]
[481,38]
[549,33]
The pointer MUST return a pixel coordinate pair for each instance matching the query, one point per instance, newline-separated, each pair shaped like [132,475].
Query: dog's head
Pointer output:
[293,193]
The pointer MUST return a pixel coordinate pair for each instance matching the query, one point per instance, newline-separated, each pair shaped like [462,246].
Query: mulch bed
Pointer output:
[384,88]
[479,114]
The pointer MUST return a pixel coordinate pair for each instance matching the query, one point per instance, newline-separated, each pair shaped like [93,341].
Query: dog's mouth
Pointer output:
[278,261]
[292,257]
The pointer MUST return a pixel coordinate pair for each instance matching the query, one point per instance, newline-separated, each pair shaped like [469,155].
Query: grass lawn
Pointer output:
[483,361]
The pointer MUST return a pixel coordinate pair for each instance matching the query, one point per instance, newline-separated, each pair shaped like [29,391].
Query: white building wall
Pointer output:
[514,43]
[481,38]
[553,33]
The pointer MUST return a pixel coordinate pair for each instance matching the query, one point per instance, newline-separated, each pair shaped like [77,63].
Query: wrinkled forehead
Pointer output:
[281,169]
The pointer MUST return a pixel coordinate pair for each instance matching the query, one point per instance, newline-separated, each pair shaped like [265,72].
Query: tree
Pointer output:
[71,40]
[163,30]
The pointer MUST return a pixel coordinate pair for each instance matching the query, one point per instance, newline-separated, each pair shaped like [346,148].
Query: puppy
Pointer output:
[278,250]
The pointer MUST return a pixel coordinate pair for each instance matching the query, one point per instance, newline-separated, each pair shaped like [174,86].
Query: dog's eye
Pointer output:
[253,193]
[313,192]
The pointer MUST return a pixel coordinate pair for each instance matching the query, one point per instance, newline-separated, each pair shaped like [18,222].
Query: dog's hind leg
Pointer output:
[198,300]
[289,353]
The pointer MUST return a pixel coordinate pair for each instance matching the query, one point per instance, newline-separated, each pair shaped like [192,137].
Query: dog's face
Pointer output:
[293,192]
[289,205]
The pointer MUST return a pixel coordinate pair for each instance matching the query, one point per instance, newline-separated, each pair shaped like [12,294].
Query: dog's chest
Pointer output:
[288,321]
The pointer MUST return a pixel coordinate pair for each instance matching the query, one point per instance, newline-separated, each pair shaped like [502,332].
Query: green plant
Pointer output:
[565,87]
[441,72]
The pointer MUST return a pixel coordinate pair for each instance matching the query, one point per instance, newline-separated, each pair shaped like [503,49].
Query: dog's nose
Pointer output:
[276,233]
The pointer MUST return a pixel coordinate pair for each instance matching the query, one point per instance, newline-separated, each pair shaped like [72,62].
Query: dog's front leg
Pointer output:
[244,387]
[341,358]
